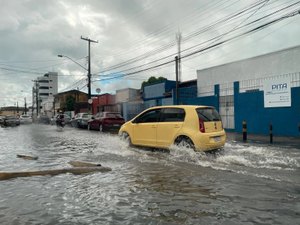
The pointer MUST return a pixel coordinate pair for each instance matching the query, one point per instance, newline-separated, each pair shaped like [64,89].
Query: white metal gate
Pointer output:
[226,103]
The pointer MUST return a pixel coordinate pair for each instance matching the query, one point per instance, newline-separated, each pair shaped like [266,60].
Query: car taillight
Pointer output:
[201,126]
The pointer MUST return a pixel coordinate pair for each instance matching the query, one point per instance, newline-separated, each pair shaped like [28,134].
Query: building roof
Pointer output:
[250,58]
[70,92]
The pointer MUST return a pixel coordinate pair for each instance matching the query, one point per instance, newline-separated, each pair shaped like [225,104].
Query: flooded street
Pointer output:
[244,184]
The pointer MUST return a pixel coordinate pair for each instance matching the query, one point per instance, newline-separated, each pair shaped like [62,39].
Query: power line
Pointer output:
[212,46]
[189,36]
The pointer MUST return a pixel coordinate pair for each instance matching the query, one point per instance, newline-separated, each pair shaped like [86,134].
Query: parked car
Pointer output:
[104,121]
[10,121]
[197,127]
[2,120]
[25,119]
[81,120]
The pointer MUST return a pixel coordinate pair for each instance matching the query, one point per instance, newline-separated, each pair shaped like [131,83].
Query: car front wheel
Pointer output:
[125,136]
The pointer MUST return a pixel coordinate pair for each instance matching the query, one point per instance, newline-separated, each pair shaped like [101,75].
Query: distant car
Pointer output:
[25,119]
[11,121]
[81,120]
[196,127]
[104,121]
[2,120]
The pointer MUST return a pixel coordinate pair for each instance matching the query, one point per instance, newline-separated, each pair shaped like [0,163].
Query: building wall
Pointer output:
[47,85]
[247,101]
[45,88]
[282,62]
[81,98]
[154,91]
[104,102]
[159,90]
[126,95]
[250,107]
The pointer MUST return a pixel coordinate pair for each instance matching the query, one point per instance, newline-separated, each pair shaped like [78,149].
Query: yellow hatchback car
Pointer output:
[197,127]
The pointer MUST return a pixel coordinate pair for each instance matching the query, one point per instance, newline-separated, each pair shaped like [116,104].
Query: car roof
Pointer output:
[180,106]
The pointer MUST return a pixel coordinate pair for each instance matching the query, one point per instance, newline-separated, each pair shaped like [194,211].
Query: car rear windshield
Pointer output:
[208,114]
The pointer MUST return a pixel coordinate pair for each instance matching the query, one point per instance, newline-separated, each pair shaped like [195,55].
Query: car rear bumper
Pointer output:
[112,126]
[209,141]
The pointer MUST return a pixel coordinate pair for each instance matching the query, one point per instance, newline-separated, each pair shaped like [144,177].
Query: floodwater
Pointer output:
[244,184]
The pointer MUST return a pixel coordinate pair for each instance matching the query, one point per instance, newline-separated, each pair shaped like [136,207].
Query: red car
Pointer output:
[104,121]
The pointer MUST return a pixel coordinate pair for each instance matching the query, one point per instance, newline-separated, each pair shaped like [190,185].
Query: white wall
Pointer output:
[276,63]
[126,95]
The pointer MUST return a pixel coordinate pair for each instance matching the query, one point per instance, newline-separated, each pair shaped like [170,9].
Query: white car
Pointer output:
[81,120]
[25,119]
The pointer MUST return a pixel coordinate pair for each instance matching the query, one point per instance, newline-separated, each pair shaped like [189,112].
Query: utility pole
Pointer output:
[36,92]
[89,64]
[32,101]
[25,106]
[178,38]
[177,83]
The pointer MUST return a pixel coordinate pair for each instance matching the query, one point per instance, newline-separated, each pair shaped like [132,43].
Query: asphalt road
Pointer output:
[246,183]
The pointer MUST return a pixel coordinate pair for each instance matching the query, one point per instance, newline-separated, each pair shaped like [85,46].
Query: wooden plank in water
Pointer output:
[27,157]
[53,172]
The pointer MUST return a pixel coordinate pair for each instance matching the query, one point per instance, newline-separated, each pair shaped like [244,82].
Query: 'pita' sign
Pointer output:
[277,92]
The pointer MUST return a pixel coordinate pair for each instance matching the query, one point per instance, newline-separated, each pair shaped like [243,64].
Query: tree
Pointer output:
[153,80]
[70,101]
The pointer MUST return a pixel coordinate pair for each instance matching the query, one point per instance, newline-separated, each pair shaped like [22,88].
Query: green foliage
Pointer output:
[70,101]
[153,80]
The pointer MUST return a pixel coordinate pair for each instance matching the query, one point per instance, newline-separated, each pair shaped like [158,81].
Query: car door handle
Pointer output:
[153,126]
[176,126]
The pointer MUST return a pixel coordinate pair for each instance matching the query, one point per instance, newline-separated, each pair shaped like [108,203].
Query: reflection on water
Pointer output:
[241,184]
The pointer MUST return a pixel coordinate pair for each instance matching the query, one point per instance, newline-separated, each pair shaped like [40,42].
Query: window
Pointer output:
[172,115]
[149,117]
[44,94]
[43,81]
[43,87]
[208,114]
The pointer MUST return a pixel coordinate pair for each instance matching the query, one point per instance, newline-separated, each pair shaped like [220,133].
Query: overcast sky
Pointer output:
[133,36]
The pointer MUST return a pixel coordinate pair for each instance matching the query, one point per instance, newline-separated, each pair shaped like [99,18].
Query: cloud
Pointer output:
[34,32]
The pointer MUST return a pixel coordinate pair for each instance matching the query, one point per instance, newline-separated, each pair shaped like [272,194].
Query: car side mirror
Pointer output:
[92,118]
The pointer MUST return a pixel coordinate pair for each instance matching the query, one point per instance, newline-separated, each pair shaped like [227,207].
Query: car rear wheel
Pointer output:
[184,142]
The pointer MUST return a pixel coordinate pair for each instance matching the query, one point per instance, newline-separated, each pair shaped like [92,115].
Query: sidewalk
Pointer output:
[265,139]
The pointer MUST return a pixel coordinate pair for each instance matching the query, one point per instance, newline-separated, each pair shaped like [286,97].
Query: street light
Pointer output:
[89,63]
[73,61]
[88,75]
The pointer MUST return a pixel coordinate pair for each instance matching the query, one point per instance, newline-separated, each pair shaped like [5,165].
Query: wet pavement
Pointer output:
[266,139]
[246,183]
